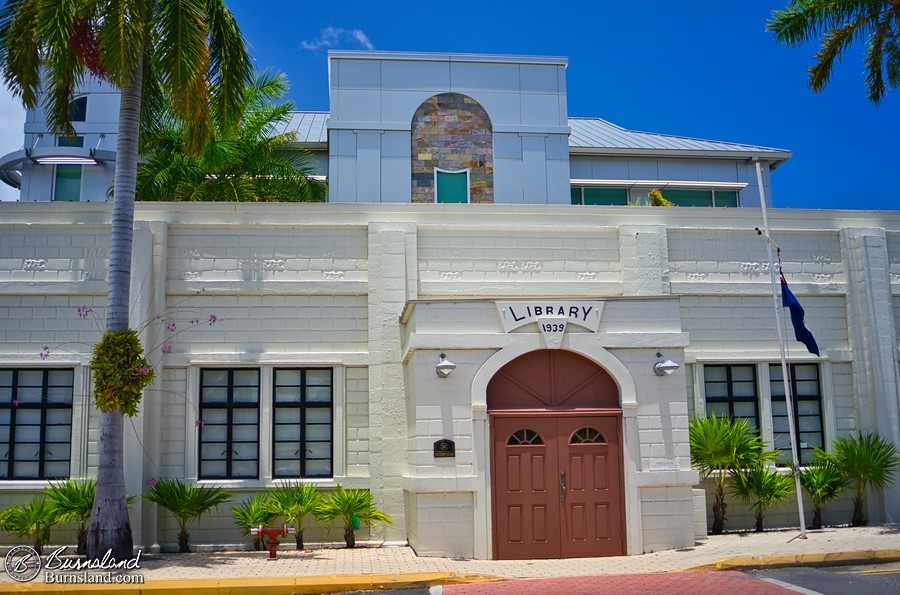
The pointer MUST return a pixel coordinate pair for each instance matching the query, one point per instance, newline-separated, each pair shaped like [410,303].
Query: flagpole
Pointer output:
[788,397]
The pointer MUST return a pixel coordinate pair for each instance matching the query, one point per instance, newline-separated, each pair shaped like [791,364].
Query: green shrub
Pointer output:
[823,482]
[31,520]
[352,507]
[252,513]
[294,501]
[187,502]
[762,487]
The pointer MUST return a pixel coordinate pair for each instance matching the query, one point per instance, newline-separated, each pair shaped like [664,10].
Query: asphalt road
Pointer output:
[874,579]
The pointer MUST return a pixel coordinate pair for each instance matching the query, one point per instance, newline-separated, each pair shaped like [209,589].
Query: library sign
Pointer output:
[551,316]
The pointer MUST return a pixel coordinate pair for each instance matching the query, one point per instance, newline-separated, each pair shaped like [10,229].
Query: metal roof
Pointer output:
[311,127]
[595,133]
[589,135]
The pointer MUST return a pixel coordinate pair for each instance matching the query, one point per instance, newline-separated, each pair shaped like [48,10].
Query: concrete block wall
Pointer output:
[667,517]
[441,524]
[356,412]
[506,261]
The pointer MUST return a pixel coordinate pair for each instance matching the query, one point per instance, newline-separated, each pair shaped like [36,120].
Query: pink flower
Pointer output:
[166,349]
[171,327]
[150,482]
[143,370]
[195,321]
[45,352]
[199,423]
[84,311]
[15,402]
[213,319]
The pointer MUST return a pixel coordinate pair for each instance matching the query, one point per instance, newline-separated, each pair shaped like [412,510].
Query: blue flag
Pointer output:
[801,333]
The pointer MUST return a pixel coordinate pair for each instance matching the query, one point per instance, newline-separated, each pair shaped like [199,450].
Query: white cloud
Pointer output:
[331,37]
[12,134]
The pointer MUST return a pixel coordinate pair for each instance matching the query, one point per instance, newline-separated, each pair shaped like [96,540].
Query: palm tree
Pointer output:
[863,461]
[189,52]
[294,502]
[720,445]
[32,520]
[253,163]
[187,502]
[73,500]
[823,482]
[351,507]
[839,23]
[254,512]
[763,487]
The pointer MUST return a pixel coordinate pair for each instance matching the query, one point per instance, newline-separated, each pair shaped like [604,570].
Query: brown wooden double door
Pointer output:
[557,486]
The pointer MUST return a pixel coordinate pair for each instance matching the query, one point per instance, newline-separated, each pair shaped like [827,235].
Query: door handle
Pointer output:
[562,484]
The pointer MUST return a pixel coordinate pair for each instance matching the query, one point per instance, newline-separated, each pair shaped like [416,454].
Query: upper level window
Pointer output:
[229,433]
[78,110]
[599,196]
[807,396]
[302,423]
[451,186]
[67,178]
[731,391]
[684,197]
[35,423]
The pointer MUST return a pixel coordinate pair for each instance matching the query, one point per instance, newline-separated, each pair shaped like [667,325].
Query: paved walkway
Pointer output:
[322,570]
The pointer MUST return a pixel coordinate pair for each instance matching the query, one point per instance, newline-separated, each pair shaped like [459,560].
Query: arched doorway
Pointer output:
[556,458]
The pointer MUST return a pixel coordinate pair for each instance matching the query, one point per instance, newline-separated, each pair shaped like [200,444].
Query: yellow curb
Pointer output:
[305,585]
[813,559]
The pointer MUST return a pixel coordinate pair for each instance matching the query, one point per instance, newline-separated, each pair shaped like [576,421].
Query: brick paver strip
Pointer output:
[733,583]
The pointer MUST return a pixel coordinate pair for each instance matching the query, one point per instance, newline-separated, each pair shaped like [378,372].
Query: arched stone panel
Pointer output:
[452,132]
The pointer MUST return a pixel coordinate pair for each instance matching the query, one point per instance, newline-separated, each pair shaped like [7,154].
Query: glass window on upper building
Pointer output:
[451,186]
[78,110]
[67,178]
[680,197]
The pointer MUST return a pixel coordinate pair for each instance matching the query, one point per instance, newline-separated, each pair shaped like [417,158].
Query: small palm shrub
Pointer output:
[73,501]
[720,445]
[823,482]
[762,487]
[252,513]
[658,200]
[864,460]
[31,520]
[294,502]
[352,507]
[187,503]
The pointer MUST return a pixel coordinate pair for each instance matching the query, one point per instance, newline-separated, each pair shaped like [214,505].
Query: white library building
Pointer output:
[478,326]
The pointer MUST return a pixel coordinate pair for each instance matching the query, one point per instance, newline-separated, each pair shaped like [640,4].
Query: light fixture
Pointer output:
[664,367]
[444,366]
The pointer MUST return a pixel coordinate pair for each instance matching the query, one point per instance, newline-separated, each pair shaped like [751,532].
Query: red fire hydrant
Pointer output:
[272,534]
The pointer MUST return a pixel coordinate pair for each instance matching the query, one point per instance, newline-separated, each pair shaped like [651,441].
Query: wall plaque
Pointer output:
[444,448]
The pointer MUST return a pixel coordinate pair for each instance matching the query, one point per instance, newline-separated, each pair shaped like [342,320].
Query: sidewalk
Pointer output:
[328,570]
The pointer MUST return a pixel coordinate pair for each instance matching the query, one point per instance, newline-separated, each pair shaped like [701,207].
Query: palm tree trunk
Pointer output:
[349,537]
[759,523]
[719,509]
[859,519]
[110,528]
[184,542]
[298,536]
[817,517]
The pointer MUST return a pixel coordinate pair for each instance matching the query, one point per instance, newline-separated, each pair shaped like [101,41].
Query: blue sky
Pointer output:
[700,68]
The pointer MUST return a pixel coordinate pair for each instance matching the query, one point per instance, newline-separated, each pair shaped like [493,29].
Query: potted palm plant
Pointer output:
[352,507]
[294,502]
[719,446]
[864,460]
[187,502]
[762,487]
[31,520]
[823,482]
[253,512]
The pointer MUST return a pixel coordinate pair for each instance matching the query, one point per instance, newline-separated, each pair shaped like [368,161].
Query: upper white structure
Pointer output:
[366,146]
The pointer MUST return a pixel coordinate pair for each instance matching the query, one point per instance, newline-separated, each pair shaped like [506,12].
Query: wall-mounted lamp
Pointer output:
[664,367]
[444,366]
